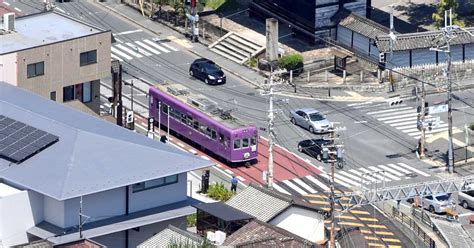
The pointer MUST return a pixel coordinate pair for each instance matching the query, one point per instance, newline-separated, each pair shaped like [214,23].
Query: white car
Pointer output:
[466,198]
[437,203]
[310,119]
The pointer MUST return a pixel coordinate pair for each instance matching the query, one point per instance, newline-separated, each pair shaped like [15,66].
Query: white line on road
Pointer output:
[377,175]
[315,181]
[386,173]
[205,157]
[365,176]
[116,57]
[294,187]
[120,53]
[128,50]
[337,180]
[403,119]
[304,185]
[394,114]
[147,47]
[129,32]
[388,110]
[153,44]
[137,49]
[391,170]
[229,171]
[6,3]
[17,9]
[168,46]
[397,117]
[415,170]
[277,187]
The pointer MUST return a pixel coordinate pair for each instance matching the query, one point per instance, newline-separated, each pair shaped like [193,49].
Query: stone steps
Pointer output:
[236,48]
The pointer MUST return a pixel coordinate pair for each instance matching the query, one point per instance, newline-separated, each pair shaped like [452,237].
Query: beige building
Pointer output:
[55,56]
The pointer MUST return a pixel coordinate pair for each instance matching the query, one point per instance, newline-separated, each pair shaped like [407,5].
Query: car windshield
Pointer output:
[211,68]
[316,117]
[442,197]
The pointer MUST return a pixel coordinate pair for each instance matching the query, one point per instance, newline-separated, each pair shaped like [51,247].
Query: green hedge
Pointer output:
[471,126]
[219,192]
[292,62]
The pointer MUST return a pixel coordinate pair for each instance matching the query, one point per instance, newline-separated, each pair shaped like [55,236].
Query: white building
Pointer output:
[50,156]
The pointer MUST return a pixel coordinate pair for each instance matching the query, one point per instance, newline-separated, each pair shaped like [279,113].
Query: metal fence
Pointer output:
[408,221]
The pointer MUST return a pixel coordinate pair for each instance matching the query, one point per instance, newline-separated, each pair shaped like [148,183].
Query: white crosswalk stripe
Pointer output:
[139,49]
[350,178]
[402,118]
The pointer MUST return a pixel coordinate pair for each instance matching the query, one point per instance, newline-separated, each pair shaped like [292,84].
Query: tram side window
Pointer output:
[253,140]
[213,134]
[245,142]
[164,108]
[221,138]
[196,125]
[237,144]
[202,128]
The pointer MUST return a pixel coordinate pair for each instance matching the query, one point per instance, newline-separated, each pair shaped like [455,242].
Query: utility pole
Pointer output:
[422,112]
[448,33]
[392,39]
[80,218]
[271,118]
[332,238]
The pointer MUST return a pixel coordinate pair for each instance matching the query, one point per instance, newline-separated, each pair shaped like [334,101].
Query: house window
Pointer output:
[87,92]
[88,58]
[155,183]
[81,92]
[68,93]
[34,70]
[52,95]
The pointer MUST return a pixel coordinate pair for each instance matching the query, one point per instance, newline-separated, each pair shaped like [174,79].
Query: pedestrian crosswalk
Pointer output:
[402,118]
[350,178]
[140,48]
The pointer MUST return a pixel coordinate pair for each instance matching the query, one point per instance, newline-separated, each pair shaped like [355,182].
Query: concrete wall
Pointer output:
[18,215]
[97,206]
[159,196]
[62,65]
[53,211]
[8,68]
[291,219]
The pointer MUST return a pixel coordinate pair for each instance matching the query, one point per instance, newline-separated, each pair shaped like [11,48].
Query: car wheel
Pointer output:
[311,129]
[293,121]
[191,73]
[300,148]
[465,205]
[431,209]
[206,81]
[318,157]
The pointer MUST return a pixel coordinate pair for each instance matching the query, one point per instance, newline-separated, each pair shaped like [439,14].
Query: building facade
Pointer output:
[57,57]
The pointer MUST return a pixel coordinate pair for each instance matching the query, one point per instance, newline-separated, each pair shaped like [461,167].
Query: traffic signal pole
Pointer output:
[423,110]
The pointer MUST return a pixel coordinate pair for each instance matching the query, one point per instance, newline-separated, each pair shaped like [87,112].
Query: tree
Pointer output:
[445,5]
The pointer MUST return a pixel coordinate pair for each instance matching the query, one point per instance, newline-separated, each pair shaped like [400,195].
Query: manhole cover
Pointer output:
[411,175]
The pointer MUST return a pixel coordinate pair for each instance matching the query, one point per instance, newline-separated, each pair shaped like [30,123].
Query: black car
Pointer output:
[207,71]
[313,147]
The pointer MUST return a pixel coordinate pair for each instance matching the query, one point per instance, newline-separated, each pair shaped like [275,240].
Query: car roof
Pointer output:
[318,141]
[308,110]
[203,60]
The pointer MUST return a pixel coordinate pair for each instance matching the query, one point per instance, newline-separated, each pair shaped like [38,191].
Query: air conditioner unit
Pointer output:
[211,236]
[219,237]
[9,22]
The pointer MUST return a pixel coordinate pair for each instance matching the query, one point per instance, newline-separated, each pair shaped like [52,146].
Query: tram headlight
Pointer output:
[246,155]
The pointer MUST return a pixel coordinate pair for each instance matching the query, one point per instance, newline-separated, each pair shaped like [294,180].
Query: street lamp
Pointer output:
[132,124]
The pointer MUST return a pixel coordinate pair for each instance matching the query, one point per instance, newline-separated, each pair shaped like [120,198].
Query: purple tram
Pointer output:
[200,120]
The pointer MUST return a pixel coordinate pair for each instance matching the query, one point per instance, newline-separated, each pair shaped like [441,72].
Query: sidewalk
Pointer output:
[247,74]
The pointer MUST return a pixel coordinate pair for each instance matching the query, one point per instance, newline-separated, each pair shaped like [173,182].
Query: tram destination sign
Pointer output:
[438,109]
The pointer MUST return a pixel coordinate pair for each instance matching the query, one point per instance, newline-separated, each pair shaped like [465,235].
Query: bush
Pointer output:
[191,220]
[218,192]
[292,62]
[471,126]
[252,62]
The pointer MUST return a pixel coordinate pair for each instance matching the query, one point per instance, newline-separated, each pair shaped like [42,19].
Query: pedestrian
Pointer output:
[163,139]
[233,184]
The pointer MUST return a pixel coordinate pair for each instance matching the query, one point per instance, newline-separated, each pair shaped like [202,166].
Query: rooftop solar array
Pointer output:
[19,141]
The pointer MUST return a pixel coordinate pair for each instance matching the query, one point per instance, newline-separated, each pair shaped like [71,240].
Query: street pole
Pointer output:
[271,117]
[423,130]
[80,218]
[331,186]
[448,75]
[168,126]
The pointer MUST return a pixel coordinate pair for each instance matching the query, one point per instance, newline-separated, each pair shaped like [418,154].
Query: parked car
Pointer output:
[208,71]
[310,119]
[466,198]
[437,203]
[313,147]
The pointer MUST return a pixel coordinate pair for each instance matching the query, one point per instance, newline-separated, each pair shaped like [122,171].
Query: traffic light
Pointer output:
[394,101]
[427,110]
[129,118]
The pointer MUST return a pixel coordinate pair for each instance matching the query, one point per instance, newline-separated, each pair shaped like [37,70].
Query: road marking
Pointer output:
[377,175]
[353,177]
[147,47]
[315,181]
[6,3]
[153,44]
[384,233]
[343,178]
[137,49]
[375,245]
[183,42]
[348,217]
[120,53]
[240,178]
[304,185]
[130,51]
[368,219]
[277,187]
[365,176]
[294,187]
[360,122]
[350,223]
[229,171]
[402,119]
[192,151]
[377,226]
[168,46]
[129,32]
[116,57]
[118,40]
[205,157]
[181,144]
[17,9]
[388,110]
[414,169]
[391,170]
[394,114]
[358,104]
[387,174]
[337,181]
[397,117]
[391,240]
[398,168]
[319,202]
[219,165]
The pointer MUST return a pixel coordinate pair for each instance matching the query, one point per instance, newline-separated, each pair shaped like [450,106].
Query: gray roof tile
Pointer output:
[91,156]
[169,236]
[364,26]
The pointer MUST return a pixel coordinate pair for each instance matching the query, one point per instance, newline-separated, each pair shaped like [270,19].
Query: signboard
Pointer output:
[438,109]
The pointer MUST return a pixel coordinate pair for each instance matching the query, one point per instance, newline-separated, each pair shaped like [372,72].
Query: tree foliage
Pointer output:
[219,192]
[446,5]
[291,62]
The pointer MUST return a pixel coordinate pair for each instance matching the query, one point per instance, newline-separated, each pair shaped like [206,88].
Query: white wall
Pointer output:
[53,211]
[8,68]
[159,196]
[97,206]
[292,219]
[17,215]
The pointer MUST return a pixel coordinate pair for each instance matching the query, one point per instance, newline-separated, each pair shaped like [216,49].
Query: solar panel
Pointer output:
[19,141]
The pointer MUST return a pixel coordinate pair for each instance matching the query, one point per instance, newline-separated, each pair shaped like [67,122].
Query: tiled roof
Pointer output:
[422,40]
[170,236]
[260,234]
[261,203]
[364,26]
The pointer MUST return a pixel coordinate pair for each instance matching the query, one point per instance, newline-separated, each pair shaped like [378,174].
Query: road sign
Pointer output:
[438,109]
[129,118]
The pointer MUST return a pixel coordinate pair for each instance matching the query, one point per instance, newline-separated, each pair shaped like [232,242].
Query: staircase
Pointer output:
[236,47]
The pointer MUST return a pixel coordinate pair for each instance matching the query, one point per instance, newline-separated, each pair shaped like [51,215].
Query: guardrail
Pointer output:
[408,221]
